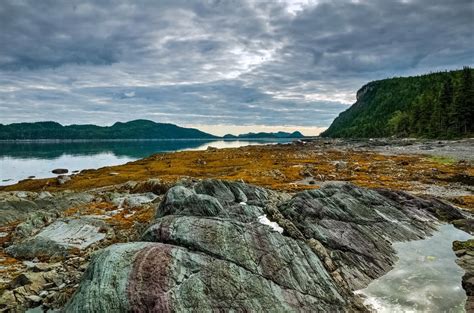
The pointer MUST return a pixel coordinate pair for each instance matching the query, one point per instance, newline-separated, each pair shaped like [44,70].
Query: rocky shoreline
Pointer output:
[210,246]
[417,166]
[178,243]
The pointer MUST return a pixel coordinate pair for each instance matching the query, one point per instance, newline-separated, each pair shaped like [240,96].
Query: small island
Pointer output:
[263,135]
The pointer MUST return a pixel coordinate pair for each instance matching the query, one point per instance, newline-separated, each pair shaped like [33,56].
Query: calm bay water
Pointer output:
[426,277]
[19,160]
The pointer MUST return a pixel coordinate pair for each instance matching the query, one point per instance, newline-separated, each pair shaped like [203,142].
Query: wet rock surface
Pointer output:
[358,225]
[206,249]
[464,250]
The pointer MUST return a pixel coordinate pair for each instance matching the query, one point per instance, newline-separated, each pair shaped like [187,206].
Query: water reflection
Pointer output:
[130,149]
[424,279]
[37,158]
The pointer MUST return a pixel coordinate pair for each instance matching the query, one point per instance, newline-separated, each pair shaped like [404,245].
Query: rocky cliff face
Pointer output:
[217,245]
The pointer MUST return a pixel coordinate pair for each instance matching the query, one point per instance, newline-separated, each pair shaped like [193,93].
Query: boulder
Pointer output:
[60,171]
[199,204]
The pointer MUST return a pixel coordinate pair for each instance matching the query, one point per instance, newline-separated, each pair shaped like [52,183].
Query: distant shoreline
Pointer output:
[135,140]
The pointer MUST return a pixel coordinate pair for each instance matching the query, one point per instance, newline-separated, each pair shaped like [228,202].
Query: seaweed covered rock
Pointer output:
[212,248]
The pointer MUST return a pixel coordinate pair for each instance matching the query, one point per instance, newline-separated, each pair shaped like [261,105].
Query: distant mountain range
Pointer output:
[262,135]
[138,129]
[436,105]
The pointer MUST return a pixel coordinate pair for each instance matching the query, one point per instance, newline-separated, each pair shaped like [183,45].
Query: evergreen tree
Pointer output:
[466,101]
[423,125]
[440,122]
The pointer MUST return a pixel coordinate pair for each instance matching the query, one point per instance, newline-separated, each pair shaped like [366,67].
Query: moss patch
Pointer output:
[442,160]
[463,245]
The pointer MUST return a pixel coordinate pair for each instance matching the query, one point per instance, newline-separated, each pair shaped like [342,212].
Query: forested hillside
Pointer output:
[437,105]
[138,129]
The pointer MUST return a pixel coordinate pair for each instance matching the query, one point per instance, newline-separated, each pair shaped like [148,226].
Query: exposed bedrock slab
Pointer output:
[17,206]
[208,250]
[57,239]
[255,247]
[156,277]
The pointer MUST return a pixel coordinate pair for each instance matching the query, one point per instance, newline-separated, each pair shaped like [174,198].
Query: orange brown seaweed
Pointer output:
[273,166]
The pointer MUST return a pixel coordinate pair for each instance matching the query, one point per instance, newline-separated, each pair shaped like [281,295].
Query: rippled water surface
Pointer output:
[21,160]
[424,279]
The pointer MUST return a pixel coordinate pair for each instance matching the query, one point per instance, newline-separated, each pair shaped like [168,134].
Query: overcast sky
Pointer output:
[222,66]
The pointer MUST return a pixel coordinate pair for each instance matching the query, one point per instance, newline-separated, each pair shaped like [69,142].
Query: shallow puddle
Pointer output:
[424,279]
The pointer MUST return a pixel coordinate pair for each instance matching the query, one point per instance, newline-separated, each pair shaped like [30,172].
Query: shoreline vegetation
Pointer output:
[300,165]
[145,139]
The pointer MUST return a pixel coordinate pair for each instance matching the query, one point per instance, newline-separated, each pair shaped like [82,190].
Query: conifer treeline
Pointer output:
[437,105]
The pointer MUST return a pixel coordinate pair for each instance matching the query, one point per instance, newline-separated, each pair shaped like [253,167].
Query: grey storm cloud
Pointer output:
[217,62]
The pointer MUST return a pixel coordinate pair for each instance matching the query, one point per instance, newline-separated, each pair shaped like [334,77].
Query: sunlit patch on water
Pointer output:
[426,277]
